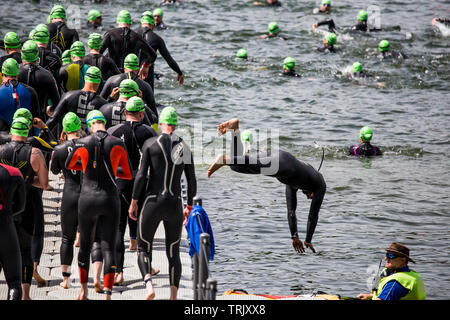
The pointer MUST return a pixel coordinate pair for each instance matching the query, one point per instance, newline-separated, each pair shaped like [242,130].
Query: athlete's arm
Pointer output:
[40,168]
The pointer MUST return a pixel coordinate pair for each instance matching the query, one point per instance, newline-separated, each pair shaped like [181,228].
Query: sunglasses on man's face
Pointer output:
[391,255]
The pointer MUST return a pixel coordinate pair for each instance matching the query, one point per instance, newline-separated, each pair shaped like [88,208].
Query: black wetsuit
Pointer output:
[360,26]
[392,54]
[122,41]
[63,75]
[161,26]
[77,101]
[164,159]
[44,83]
[106,65]
[45,142]
[291,73]
[158,44]
[114,114]
[101,154]
[364,149]
[69,201]
[50,61]
[445,21]
[329,49]
[12,202]
[61,35]
[147,91]
[294,173]
[133,134]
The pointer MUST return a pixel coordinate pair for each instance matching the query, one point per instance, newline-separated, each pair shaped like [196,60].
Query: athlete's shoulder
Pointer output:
[13,171]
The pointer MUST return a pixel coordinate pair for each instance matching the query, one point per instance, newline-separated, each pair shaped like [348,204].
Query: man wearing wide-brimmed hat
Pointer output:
[397,281]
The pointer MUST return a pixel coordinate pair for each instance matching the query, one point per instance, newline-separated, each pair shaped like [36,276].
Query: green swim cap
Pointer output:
[124,16]
[247,136]
[168,115]
[20,127]
[362,15]
[328,2]
[41,34]
[10,67]
[31,34]
[135,104]
[95,41]
[23,113]
[30,51]
[383,45]
[289,63]
[147,17]
[365,134]
[273,27]
[58,12]
[77,49]
[66,58]
[242,53]
[128,88]
[94,14]
[357,67]
[331,39]
[71,122]
[11,40]
[94,115]
[93,75]
[131,62]
[158,12]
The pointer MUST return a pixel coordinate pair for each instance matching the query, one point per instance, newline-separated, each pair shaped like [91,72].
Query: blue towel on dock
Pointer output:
[198,223]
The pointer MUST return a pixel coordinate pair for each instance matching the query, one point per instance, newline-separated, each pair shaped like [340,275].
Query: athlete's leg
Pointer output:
[38,235]
[10,259]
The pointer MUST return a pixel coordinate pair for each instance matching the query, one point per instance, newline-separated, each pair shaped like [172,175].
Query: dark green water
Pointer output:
[402,196]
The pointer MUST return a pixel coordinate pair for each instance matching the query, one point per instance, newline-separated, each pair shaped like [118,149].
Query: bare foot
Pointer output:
[155,271]
[220,161]
[65,283]
[118,279]
[98,287]
[81,297]
[150,290]
[230,124]
[133,245]
[40,281]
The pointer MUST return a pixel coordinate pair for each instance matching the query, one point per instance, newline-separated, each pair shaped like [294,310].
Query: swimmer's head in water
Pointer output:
[23,113]
[247,136]
[93,75]
[168,115]
[273,28]
[58,11]
[362,16]
[128,88]
[242,53]
[357,67]
[30,51]
[158,12]
[289,63]
[95,41]
[20,127]
[124,16]
[147,17]
[71,122]
[325,5]
[135,104]
[131,62]
[383,46]
[11,40]
[330,39]
[93,14]
[365,134]
[77,49]
[10,67]
[93,116]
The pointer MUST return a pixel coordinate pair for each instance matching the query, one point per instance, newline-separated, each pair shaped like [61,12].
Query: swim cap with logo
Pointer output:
[58,12]
[93,116]
[289,63]
[30,51]
[93,75]
[247,136]
[10,67]
[362,15]
[66,58]
[95,41]
[365,134]
[11,40]
[242,53]
[23,113]
[41,34]
[273,27]
[77,49]
[135,104]
[168,115]
[131,62]
[357,67]
[71,122]
[20,127]
[331,39]
[124,16]
[158,12]
[94,14]
[128,88]
[147,17]
[383,45]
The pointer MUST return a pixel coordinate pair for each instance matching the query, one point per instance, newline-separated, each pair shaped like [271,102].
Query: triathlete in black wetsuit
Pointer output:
[12,46]
[273,32]
[387,54]
[158,14]
[114,111]
[285,168]
[72,186]
[164,159]
[80,102]
[361,24]
[107,66]
[38,78]
[100,154]
[288,68]
[131,72]
[122,40]
[158,44]
[12,202]
[60,34]
[31,163]
[133,133]
[71,76]
[94,19]
[364,148]
[49,53]
[328,44]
